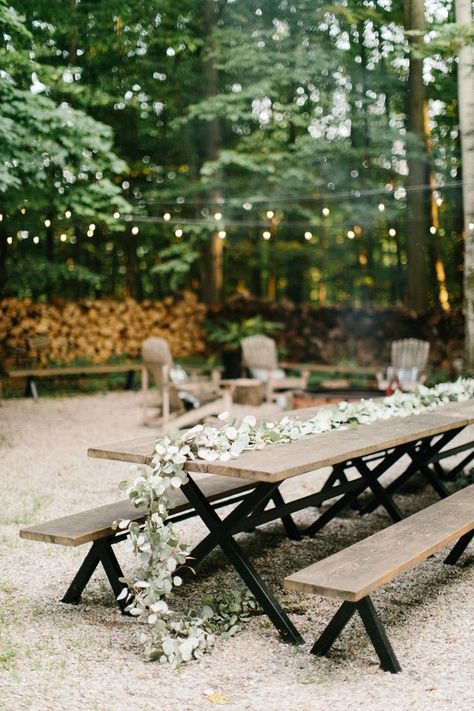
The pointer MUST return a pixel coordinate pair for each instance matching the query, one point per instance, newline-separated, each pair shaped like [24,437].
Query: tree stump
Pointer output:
[247,391]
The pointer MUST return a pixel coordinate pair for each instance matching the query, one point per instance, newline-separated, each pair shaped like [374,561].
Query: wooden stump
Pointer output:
[247,391]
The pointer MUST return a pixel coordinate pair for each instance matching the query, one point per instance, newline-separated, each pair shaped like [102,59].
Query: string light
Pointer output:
[270,214]
[47,223]
[23,210]
[135,230]
[92,227]
[433,230]
[36,239]
[247,205]
[90,233]
[178,232]
[439,201]
[218,216]
[10,240]
[381,207]
[167,217]
[222,234]
[116,215]
[308,235]
[326,211]
[351,234]
[63,237]
[392,232]
[266,234]
[67,214]
[471,225]
[1,217]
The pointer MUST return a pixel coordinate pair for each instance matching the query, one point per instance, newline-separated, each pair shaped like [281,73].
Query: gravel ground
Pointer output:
[87,658]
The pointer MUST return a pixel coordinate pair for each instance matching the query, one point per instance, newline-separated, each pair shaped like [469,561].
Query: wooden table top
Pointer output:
[281,461]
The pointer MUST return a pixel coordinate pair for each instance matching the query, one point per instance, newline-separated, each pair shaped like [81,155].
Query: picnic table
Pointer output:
[369,449]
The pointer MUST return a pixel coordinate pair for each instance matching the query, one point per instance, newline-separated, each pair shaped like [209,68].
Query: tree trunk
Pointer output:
[466,122]
[212,253]
[417,227]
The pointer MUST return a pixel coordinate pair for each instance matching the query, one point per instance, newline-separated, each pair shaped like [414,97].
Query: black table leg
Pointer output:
[241,563]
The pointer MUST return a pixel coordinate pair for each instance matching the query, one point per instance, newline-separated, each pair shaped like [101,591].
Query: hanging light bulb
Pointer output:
[23,210]
[63,237]
[67,214]
[92,226]
[1,217]
[9,240]
[308,235]
[135,230]
[222,234]
[270,214]
[266,234]
[326,211]
[47,223]
[116,214]
[178,232]
[433,230]
[381,207]
[167,217]
[36,239]
[392,232]
[218,216]
[351,234]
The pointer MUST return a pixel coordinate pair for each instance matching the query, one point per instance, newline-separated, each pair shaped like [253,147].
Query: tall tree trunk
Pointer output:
[438,264]
[212,253]
[466,122]
[417,225]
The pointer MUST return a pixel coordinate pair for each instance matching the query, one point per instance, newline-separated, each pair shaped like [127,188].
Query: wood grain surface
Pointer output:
[281,461]
[355,572]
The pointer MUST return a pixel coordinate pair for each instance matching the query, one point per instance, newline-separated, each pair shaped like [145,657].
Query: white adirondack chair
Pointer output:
[172,381]
[260,357]
[409,358]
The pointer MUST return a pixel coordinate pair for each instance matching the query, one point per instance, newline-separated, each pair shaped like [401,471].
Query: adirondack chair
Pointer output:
[260,357]
[174,385]
[409,358]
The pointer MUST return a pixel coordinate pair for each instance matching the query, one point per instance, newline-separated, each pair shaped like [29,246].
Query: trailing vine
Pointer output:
[173,638]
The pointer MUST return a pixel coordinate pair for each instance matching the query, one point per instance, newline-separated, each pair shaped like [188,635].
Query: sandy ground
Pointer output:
[88,658]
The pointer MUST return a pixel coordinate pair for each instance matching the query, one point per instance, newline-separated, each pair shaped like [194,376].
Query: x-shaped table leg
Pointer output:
[221,535]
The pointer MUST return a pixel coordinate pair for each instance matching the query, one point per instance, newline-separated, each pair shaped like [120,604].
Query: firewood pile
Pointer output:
[96,331]
[336,334]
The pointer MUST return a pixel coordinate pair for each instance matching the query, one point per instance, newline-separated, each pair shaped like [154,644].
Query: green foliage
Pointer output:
[228,334]
[158,107]
[33,277]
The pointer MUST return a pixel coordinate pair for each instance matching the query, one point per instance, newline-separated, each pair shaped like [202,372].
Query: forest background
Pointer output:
[305,149]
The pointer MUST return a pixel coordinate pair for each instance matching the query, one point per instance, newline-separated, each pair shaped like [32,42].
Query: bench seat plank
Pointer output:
[73,370]
[355,572]
[95,524]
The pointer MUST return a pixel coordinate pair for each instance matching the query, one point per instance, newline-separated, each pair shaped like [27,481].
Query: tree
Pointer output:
[466,121]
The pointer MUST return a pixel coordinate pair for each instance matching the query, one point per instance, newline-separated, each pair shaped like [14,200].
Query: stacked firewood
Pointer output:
[97,331]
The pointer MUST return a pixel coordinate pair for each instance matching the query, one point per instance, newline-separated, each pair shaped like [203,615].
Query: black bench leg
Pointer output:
[324,643]
[459,548]
[83,575]
[290,526]
[100,552]
[373,627]
[129,383]
[375,630]
[113,571]
[31,389]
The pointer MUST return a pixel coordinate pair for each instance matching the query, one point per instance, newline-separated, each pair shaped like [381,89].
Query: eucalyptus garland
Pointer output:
[173,638]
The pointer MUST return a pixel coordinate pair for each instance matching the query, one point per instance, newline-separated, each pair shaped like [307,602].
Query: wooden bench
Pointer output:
[96,526]
[354,573]
[32,374]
